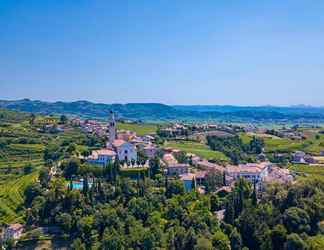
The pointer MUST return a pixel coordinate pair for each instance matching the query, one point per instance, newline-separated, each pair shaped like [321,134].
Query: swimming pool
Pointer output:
[78,185]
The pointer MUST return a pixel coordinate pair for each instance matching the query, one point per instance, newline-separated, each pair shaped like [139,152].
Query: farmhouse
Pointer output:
[301,158]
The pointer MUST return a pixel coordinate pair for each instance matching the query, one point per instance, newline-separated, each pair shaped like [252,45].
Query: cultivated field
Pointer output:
[314,142]
[308,170]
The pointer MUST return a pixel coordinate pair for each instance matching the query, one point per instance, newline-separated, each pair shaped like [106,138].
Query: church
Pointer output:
[115,148]
[125,151]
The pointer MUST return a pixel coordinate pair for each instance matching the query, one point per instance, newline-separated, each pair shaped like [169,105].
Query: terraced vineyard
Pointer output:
[18,155]
[22,145]
[308,170]
[12,197]
[13,182]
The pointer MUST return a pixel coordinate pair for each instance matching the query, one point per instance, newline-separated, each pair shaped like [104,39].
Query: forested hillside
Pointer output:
[160,112]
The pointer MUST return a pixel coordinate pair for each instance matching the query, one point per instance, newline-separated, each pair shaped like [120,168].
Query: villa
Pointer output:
[206,165]
[253,172]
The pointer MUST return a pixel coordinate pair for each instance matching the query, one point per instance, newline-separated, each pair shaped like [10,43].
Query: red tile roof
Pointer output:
[118,143]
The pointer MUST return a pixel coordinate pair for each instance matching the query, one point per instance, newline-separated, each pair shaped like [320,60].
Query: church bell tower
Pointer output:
[112,129]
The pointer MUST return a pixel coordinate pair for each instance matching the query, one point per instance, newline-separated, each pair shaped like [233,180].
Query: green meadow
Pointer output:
[197,148]
[140,128]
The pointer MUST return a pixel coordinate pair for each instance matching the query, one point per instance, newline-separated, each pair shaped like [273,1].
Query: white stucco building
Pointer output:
[253,172]
[125,150]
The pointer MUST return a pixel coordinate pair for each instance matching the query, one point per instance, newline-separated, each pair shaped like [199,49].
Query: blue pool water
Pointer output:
[78,185]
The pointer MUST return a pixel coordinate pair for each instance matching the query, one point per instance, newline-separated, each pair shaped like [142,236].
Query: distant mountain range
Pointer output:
[162,112]
[297,109]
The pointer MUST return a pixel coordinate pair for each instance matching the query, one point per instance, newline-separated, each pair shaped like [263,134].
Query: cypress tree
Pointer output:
[116,169]
[214,203]
[254,195]
[166,184]
[85,185]
[193,183]
[138,185]
[229,211]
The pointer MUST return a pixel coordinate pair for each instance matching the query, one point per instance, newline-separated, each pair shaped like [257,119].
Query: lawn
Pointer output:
[197,148]
[283,145]
[140,128]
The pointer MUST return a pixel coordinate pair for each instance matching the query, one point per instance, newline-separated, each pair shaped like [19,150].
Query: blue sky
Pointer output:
[173,52]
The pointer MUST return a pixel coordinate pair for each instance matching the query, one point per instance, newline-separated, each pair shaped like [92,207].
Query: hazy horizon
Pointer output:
[247,53]
[169,104]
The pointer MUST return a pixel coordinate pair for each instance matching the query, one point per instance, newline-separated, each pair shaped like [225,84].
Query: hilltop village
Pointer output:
[87,183]
[124,146]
